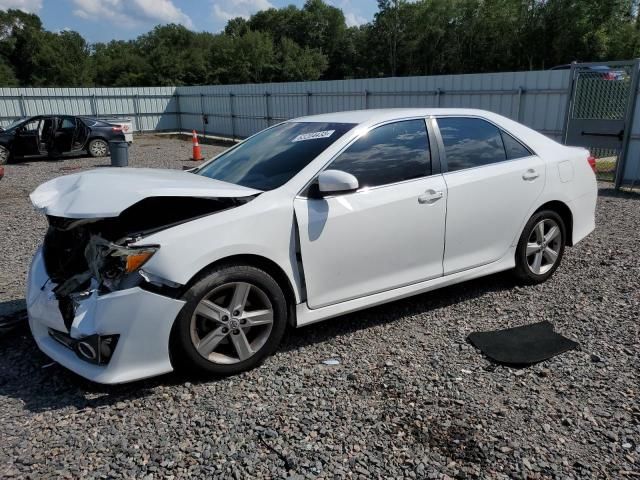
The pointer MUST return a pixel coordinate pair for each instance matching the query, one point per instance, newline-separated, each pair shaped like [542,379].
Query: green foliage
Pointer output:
[236,27]
[175,55]
[423,37]
[300,63]
[253,59]
[119,64]
[7,75]
[58,59]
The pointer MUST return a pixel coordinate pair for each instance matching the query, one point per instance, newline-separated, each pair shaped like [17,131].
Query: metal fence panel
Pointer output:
[149,108]
[631,171]
[537,99]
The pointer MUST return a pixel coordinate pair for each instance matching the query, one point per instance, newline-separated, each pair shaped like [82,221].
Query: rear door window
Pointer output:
[391,153]
[470,142]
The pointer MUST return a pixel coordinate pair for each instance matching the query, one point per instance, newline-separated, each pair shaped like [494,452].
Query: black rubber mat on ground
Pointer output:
[521,346]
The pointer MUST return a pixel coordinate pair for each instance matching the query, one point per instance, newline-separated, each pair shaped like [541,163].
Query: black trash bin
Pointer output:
[119,153]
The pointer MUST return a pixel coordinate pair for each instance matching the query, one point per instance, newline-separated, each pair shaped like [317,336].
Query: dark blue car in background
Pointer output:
[57,135]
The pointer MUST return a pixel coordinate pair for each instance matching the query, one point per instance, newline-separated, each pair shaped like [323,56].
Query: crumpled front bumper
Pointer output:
[142,319]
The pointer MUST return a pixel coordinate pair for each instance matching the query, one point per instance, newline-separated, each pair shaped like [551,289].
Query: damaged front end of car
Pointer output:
[88,258]
[91,305]
[104,255]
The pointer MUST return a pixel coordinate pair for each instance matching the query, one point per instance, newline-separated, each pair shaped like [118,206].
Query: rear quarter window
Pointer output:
[513,148]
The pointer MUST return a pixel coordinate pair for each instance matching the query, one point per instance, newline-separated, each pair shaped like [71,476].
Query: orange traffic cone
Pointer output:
[197,153]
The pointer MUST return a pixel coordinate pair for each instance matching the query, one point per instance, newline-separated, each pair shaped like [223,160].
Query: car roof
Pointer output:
[367,118]
[374,116]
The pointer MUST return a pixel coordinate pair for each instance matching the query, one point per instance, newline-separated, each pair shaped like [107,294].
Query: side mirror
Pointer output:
[336,181]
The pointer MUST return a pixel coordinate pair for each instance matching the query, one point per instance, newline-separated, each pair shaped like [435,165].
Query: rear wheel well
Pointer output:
[263,263]
[565,213]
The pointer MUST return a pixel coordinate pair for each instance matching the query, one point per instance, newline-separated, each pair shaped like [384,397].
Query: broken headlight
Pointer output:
[116,266]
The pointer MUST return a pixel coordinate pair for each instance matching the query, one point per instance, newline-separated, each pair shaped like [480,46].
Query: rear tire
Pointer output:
[5,154]
[98,148]
[540,248]
[234,318]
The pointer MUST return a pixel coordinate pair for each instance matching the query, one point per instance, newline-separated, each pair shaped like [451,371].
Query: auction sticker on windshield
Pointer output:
[313,136]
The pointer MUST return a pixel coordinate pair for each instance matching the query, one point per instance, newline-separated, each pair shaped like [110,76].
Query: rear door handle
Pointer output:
[430,196]
[530,175]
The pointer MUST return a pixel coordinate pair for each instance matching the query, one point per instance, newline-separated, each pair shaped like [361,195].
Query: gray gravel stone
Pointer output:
[409,399]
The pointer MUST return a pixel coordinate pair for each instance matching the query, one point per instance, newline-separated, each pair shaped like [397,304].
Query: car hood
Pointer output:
[107,192]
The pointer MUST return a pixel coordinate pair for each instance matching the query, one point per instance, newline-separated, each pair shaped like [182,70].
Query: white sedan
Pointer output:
[143,271]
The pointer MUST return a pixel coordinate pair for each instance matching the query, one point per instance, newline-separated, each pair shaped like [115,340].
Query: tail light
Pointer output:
[592,162]
[116,128]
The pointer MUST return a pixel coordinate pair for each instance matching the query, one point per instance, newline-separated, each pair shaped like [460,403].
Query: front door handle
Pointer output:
[530,175]
[430,196]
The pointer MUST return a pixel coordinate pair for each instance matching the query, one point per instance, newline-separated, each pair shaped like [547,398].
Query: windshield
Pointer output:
[272,157]
[14,124]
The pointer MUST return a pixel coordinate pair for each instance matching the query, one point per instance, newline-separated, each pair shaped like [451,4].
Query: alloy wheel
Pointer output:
[543,246]
[231,323]
[98,148]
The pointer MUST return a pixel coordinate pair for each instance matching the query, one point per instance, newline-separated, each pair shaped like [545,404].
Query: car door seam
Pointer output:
[446,210]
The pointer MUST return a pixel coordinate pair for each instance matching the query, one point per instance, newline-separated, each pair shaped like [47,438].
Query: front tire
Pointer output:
[234,318]
[4,155]
[98,148]
[541,247]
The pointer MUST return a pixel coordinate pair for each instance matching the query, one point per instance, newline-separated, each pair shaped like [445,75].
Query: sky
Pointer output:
[104,20]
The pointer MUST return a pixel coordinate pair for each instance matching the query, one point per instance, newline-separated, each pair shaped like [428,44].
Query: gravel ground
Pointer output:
[409,397]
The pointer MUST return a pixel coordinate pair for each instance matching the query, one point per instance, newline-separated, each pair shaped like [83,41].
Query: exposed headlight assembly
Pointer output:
[116,266]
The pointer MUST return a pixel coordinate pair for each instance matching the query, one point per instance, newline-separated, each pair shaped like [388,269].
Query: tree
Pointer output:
[236,27]
[7,75]
[250,58]
[421,37]
[119,64]
[298,63]
[279,23]
[16,28]
[175,55]
[221,56]
[325,29]
[390,23]
[34,56]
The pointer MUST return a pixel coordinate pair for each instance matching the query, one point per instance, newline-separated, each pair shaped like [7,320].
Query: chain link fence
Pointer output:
[602,94]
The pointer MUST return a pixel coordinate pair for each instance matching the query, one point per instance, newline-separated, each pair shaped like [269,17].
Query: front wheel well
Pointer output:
[263,263]
[564,211]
